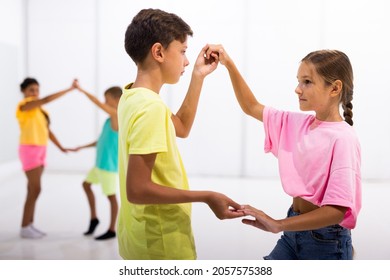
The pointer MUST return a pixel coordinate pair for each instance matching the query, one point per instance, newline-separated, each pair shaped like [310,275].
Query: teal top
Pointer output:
[107,148]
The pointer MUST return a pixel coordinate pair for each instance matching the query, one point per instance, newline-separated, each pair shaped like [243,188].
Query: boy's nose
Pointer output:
[186,62]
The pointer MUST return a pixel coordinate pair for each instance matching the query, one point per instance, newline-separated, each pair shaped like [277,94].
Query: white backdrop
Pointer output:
[267,39]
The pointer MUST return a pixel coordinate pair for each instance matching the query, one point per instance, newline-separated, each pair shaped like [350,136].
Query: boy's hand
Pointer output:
[206,63]
[218,50]
[224,207]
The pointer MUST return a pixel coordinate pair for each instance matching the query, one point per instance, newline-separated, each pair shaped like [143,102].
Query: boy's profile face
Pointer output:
[175,60]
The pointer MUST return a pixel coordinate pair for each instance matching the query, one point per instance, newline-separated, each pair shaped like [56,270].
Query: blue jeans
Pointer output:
[328,243]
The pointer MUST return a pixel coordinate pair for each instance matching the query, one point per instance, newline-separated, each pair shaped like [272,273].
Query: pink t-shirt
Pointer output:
[318,161]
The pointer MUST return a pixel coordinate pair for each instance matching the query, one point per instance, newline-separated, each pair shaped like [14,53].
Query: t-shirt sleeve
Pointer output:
[273,124]
[148,133]
[344,186]
[18,113]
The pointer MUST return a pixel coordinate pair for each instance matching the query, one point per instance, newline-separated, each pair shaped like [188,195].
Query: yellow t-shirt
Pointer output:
[158,231]
[33,124]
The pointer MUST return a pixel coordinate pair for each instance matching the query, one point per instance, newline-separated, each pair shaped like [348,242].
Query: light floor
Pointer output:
[63,213]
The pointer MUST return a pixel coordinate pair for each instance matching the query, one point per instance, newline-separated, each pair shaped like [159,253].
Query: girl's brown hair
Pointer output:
[334,65]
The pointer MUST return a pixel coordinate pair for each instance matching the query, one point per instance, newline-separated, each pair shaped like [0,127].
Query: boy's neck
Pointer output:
[148,79]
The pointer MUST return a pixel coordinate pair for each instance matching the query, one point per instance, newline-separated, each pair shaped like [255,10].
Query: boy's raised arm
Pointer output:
[185,116]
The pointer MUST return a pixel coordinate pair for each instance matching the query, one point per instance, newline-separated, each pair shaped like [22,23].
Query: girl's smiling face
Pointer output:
[31,91]
[315,94]
[312,90]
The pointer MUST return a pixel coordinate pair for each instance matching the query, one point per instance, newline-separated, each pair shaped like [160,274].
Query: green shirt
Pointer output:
[107,148]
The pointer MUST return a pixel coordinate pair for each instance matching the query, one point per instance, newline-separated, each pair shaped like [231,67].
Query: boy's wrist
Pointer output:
[198,74]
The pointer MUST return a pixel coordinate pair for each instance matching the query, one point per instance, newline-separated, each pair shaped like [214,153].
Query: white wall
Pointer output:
[12,67]
[267,39]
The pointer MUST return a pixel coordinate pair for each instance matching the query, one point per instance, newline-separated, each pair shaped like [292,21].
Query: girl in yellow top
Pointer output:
[34,134]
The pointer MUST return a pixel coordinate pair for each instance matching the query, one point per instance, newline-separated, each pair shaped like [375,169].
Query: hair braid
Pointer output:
[347,107]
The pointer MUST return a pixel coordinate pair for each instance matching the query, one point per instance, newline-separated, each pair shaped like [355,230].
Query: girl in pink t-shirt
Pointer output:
[318,155]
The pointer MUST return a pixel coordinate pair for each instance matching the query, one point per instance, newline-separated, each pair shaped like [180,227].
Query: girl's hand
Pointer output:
[261,221]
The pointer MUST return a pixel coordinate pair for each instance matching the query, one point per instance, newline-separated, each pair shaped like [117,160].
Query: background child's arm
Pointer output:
[39,102]
[93,144]
[244,95]
[142,190]
[106,108]
[112,111]
[54,139]
[185,116]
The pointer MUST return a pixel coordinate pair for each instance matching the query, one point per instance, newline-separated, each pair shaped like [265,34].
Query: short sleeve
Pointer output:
[273,124]
[148,133]
[344,186]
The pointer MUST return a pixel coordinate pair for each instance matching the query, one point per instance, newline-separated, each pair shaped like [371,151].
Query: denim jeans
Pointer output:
[328,243]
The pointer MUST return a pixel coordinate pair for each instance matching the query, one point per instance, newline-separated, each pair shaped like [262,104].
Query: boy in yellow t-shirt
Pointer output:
[155,215]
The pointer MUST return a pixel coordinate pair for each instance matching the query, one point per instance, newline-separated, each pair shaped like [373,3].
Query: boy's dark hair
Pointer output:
[115,92]
[152,26]
[27,82]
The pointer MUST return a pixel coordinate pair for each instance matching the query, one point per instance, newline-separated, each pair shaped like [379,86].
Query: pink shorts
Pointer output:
[32,156]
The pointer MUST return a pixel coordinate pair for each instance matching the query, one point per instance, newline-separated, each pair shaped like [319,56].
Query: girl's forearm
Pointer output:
[318,218]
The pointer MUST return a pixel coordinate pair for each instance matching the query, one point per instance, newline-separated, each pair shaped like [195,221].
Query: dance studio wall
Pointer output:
[11,72]
[267,39]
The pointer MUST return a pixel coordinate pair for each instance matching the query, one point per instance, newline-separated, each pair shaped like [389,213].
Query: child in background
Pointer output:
[105,171]
[155,216]
[318,155]
[35,132]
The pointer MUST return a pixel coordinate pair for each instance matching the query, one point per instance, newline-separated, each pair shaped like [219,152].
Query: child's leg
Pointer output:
[33,191]
[114,211]
[91,199]
[92,207]
[108,181]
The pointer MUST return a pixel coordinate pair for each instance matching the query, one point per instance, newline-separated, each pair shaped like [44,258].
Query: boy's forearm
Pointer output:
[157,194]
[187,111]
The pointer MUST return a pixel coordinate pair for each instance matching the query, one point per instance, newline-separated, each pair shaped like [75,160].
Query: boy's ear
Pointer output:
[157,52]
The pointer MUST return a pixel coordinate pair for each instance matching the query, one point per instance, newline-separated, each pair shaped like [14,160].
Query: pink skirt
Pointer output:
[32,156]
